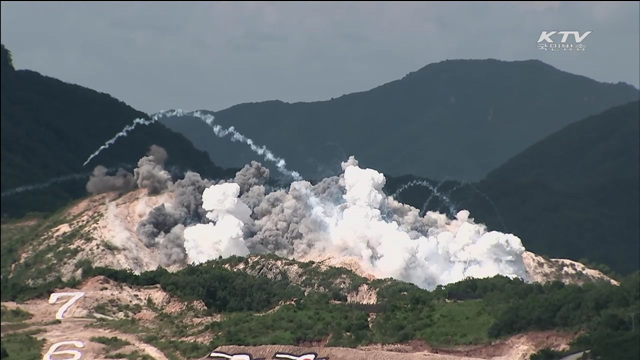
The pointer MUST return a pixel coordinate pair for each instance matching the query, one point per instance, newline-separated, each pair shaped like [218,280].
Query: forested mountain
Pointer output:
[572,195]
[593,151]
[455,119]
[49,129]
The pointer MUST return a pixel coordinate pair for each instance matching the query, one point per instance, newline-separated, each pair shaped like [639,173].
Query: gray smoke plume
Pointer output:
[165,224]
[100,182]
[284,218]
[159,221]
[254,196]
[150,174]
[159,154]
[163,228]
[172,247]
[251,175]
[188,196]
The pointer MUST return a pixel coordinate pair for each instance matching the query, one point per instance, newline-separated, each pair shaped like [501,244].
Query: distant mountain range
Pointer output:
[573,194]
[49,128]
[456,119]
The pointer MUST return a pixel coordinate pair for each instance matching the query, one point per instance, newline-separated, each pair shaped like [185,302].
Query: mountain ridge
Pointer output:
[49,127]
[495,109]
[572,195]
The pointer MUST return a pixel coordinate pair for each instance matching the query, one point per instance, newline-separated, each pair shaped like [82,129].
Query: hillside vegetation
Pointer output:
[474,311]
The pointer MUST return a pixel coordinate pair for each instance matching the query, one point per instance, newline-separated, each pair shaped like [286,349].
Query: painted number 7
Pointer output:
[75,296]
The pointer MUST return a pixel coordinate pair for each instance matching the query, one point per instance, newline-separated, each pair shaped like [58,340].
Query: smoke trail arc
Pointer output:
[45,184]
[220,132]
[127,129]
[495,208]
[55,180]
[263,151]
[423,210]
[280,163]
[208,119]
[434,190]
[122,133]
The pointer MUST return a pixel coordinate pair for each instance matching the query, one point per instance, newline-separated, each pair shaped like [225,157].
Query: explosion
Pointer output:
[341,216]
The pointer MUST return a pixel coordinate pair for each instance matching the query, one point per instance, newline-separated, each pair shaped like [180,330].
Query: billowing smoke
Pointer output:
[164,226]
[171,247]
[251,175]
[204,242]
[150,173]
[100,182]
[342,216]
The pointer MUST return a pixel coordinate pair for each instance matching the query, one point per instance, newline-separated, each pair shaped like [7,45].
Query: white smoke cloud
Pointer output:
[350,216]
[205,242]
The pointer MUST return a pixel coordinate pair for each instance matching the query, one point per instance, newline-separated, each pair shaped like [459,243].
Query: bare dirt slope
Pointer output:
[78,323]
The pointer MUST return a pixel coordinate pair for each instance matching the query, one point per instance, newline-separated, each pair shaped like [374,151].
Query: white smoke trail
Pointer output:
[280,163]
[55,180]
[260,150]
[122,133]
[46,184]
[423,210]
[129,128]
[495,208]
[434,190]
[217,129]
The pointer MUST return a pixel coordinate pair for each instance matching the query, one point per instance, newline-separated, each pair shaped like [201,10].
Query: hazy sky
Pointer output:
[212,55]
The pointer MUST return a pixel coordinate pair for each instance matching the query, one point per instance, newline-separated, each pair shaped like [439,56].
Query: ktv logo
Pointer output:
[284,356]
[551,40]
[546,36]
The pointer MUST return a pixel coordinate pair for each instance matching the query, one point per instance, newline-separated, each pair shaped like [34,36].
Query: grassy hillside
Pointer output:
[469,312]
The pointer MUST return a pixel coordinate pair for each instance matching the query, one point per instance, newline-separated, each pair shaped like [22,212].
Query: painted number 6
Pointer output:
[75,353]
